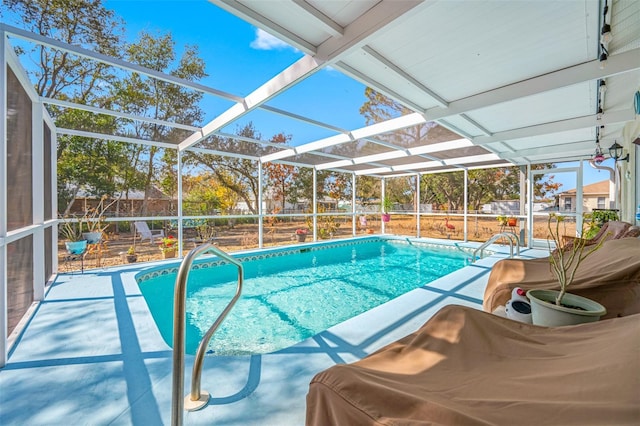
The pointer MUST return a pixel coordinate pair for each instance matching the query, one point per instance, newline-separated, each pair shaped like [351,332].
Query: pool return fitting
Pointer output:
[196,399]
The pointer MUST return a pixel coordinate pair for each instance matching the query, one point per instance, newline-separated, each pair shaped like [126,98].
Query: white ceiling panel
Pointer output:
[343,12]
[481,45]
[572,101]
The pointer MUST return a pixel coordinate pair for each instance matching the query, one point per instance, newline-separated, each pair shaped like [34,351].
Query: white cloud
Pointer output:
[265,41]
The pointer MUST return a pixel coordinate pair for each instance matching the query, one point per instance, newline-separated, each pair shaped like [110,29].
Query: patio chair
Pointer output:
[146,234]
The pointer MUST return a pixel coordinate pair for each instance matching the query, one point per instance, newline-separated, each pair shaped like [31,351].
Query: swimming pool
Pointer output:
[292,294]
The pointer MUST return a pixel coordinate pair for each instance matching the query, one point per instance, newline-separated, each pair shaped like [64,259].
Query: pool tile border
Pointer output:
[278,252]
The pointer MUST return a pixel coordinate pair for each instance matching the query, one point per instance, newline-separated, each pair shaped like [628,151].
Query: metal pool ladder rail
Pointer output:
[511,237]
[196,399]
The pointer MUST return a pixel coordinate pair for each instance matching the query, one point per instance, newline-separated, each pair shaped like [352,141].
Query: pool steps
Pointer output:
[196,399]
[510,236]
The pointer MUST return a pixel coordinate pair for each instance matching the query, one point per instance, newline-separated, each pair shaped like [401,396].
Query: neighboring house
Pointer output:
[594,196]
[158,204]
[506,207]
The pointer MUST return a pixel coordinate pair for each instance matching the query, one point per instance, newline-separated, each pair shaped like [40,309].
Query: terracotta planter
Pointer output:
[168,254]
[512,221]
[545,312]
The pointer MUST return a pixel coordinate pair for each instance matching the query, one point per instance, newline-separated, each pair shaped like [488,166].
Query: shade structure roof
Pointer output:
[517,81]
[507,82]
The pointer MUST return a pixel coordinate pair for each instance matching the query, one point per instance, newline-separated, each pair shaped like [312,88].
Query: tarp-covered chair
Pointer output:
[611,230]
[610,276]
[467,367]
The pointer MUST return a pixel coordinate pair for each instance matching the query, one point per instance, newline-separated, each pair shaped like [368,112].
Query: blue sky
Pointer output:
[239,58]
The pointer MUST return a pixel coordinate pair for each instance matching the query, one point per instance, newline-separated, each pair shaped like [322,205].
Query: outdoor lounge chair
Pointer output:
[467,367]
[146,234]
[609,276]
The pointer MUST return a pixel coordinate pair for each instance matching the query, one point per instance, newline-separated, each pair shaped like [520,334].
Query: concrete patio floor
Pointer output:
[92,354]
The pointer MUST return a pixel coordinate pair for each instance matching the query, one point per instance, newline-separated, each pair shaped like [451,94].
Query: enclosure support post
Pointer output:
[315,204]
[37,176]
[529,206]
[179,203]
[466,203]
[383,191]
[523,201]
[3,201]
[353,204]
[417,206]
[260,211]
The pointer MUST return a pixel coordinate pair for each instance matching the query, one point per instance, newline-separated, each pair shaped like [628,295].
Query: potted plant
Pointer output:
[502,220]
[301,235]
[71,230]
[168,247]
[132,257]
[557,307]
[387,205]
[512,221]
[205,231]
[95,221]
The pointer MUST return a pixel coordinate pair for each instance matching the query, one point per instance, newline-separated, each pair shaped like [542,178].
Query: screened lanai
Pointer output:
[482,85]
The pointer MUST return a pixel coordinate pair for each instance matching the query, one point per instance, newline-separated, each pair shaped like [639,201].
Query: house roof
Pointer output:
[598,188]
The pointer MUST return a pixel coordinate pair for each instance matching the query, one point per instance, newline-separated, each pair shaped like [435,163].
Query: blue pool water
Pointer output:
[288,298]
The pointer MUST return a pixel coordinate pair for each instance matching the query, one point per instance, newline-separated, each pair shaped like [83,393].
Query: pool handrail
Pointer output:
[196,399]
[511,237]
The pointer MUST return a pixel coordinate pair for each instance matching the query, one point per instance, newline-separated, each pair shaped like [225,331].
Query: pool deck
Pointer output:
[91,354]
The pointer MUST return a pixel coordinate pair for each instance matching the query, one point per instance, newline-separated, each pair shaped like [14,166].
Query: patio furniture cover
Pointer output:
[468,367]
[611,230]
[610,276]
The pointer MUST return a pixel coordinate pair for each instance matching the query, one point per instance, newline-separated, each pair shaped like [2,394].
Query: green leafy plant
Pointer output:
[94,218]
[599,218]
[327,224]
[71,228]
[205,230]
[168,244]
[387,205]
[565,262]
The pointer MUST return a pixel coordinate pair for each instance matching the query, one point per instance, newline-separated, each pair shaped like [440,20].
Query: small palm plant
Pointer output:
[71,228]
[565,262]
[95,216]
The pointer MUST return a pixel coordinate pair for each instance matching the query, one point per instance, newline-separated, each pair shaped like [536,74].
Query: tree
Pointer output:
[85,23]
[338,186]
[280,177]
[367,188]
[150,97]
[200,195]
[83,162]
[239,175]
